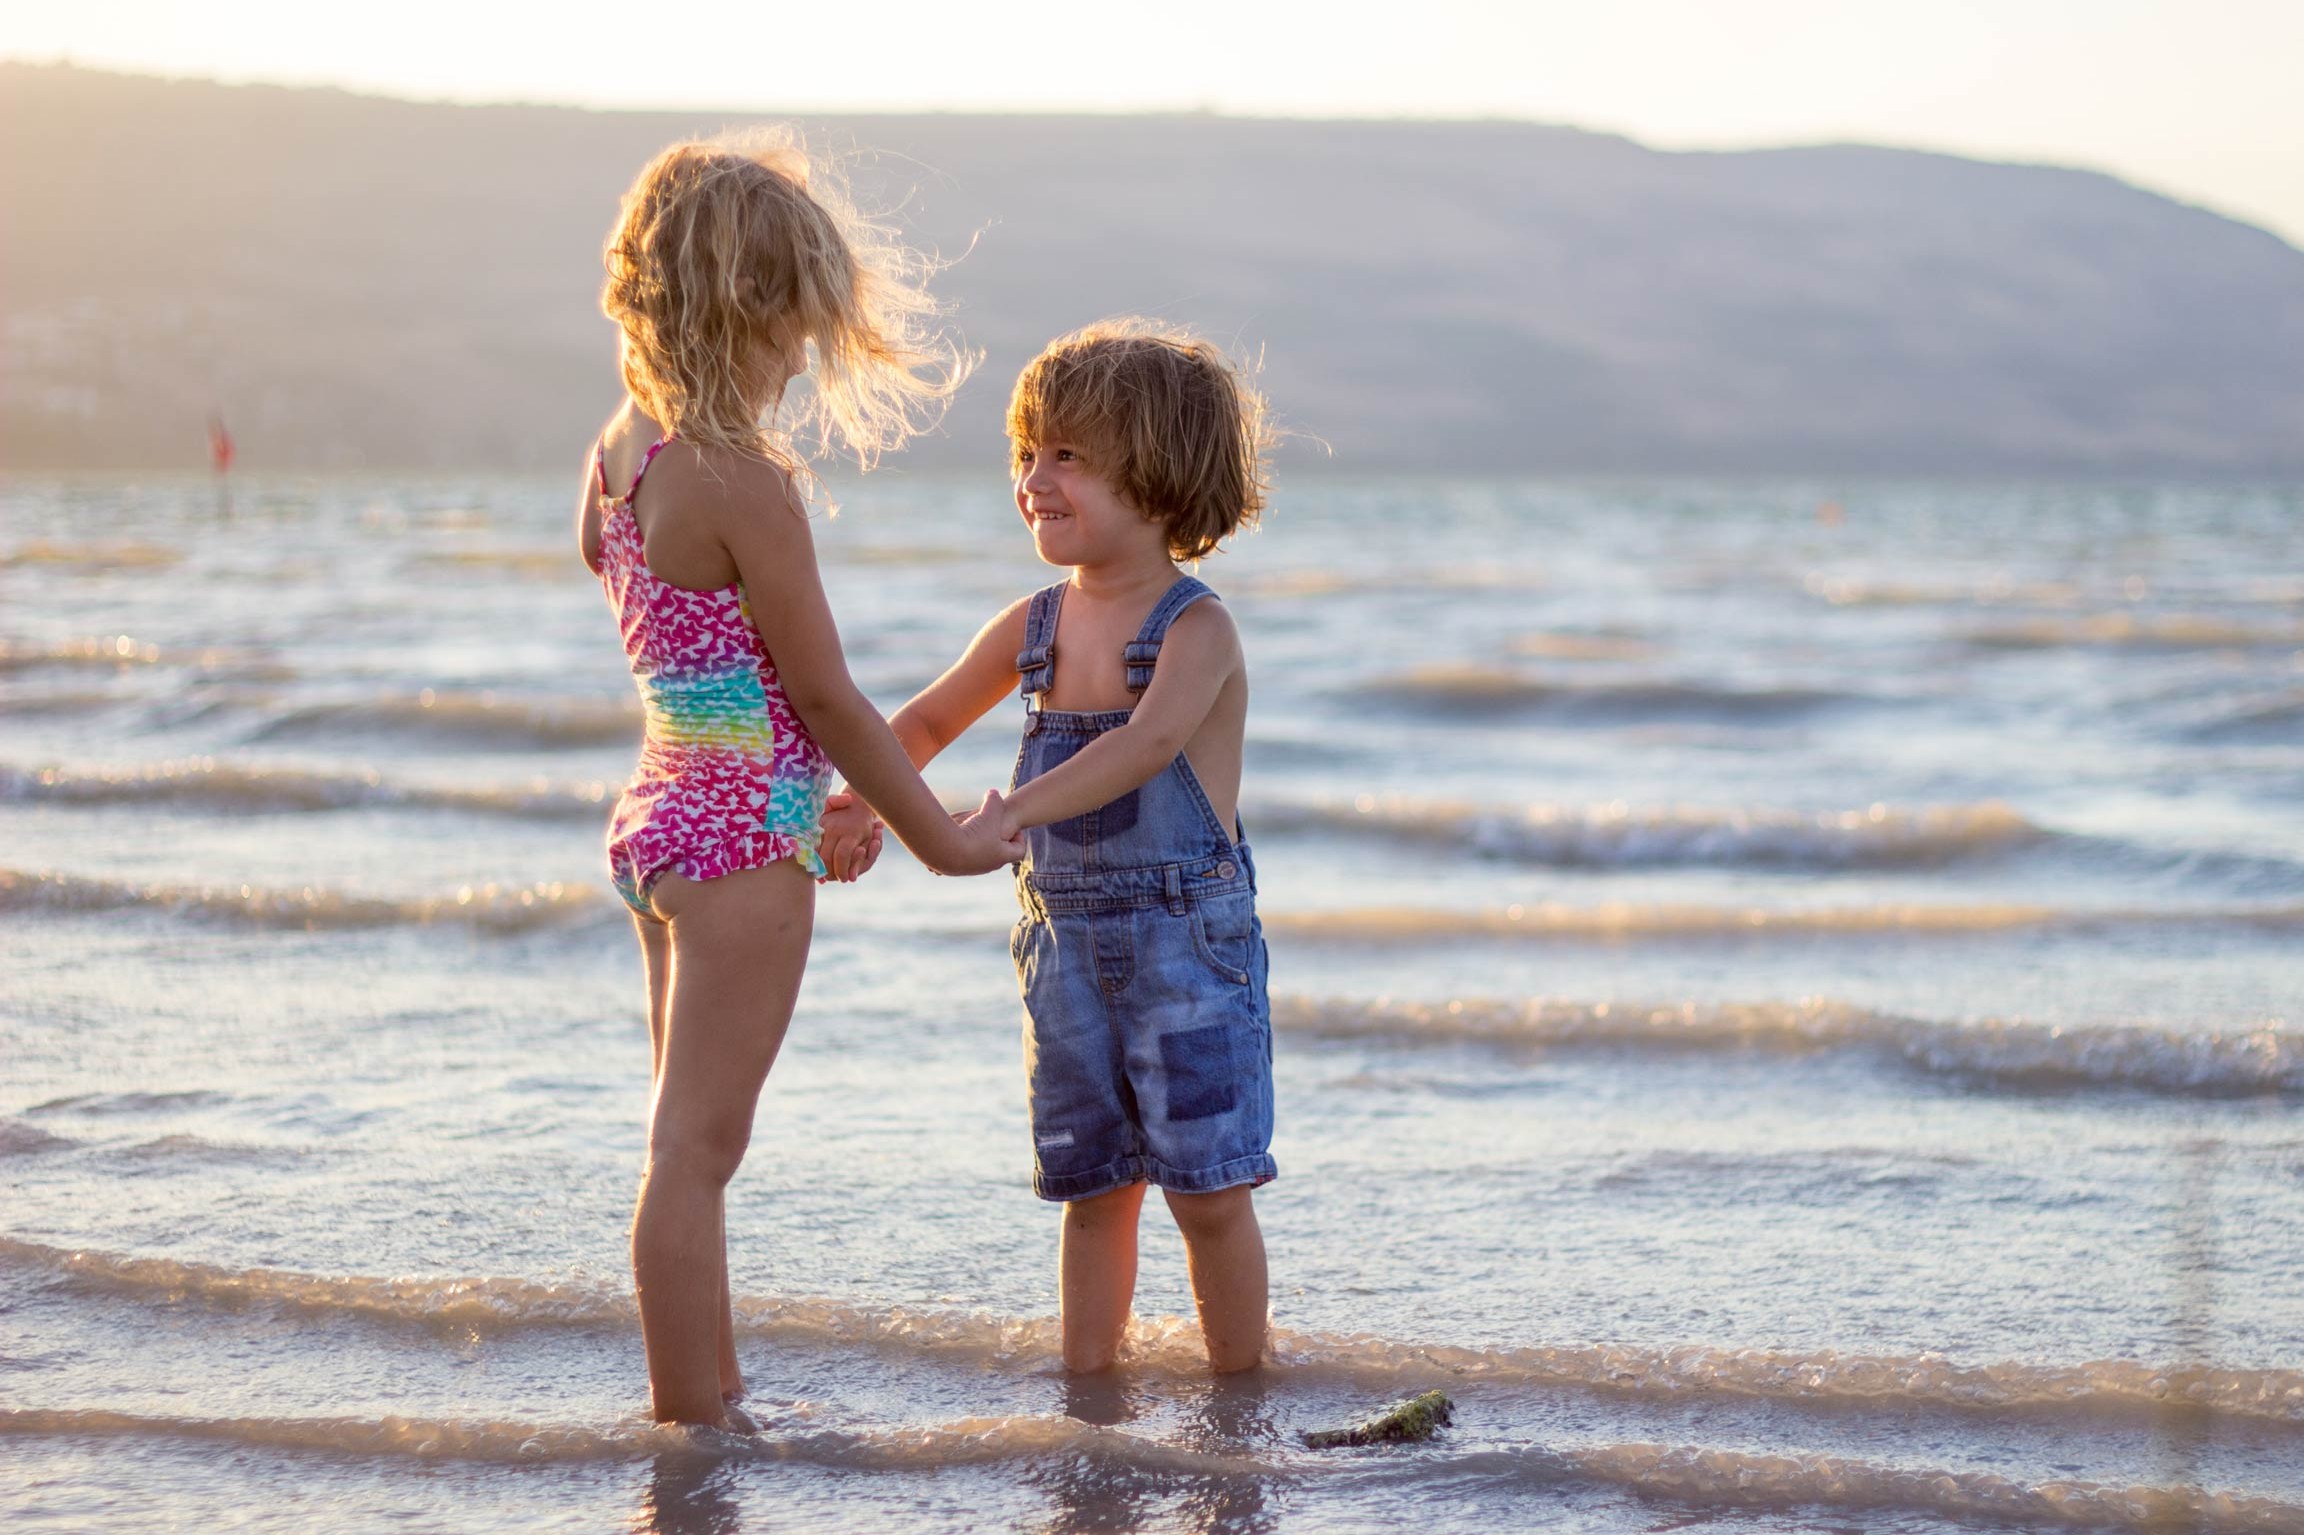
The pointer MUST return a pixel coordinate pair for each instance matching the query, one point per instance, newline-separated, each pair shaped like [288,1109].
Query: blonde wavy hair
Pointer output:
[1170,423]
[728,255]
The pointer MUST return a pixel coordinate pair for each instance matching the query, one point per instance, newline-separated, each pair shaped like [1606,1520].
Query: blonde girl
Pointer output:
[734,271]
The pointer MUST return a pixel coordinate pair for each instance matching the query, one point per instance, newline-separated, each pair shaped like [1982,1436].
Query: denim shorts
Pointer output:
[1147,1032]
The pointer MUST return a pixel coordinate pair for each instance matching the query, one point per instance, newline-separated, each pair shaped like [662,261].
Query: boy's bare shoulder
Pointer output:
[1208,619]
[1206,628]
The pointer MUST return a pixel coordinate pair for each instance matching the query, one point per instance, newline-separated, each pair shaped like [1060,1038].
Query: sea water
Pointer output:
[1786,1002]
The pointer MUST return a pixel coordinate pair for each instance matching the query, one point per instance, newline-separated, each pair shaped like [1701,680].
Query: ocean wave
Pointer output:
[21,705]
[210,783]
[1694,1474]
[93,556]
[485,908]
[2267,1059]
[1484,691]
[941,555]
[423,1438]
[1712,1478]
[1623,921]
[121,652]
[484,718]
[530,564]
[1623,836]
[2280,717]
[1854,593]
[1171,1345]
[110,1104]
[18,1139]
[1561,645]
[794,1438]
[2140,631]
[1317,582]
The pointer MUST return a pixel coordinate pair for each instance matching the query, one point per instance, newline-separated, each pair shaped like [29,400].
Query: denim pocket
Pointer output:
[1020,950]
[1224,935]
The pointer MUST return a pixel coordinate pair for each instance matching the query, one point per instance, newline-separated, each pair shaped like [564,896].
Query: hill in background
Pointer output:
[358,281]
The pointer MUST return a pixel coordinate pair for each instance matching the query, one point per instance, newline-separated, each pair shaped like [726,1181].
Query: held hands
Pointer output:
[991,838]
[848,839]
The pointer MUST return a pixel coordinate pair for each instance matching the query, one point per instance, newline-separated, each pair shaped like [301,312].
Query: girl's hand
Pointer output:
[848,839]
[986,842]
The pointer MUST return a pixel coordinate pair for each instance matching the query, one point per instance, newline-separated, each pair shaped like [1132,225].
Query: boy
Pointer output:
[1142,964]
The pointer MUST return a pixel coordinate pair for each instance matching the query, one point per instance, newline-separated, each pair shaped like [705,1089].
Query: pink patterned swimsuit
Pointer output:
[728,777]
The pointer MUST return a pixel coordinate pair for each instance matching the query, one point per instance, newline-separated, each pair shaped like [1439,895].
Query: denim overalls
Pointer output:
[1147,1034]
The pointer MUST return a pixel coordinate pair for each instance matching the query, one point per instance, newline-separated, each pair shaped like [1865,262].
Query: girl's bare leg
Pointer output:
[1096,1264]
[738,946]
[656,960]
[1224,1247]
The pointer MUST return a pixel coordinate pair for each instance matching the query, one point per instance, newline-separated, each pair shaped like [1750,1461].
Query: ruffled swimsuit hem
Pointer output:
[636,867]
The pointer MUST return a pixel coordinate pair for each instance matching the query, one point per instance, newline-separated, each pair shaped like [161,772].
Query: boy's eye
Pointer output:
[1065,455]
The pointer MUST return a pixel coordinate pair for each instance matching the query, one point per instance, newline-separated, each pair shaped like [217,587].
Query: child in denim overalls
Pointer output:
[1148,1038]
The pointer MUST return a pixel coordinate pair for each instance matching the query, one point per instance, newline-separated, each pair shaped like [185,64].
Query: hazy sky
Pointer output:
[2200,99]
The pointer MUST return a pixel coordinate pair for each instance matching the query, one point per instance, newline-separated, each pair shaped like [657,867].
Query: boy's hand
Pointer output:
[994,842]
[848,838]
[995,810]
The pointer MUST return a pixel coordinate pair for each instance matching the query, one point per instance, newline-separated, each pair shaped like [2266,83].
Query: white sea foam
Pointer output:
[482,718]
[1629,921]
[2265,1058]
[1461,690]
[793,1437]
[1172,1344]
[1694,1474]
[121,652]
[486,908]
[221,784]
[1712,1478]
[1623,835]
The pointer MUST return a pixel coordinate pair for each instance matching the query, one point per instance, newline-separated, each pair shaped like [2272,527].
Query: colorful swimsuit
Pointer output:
[728,777]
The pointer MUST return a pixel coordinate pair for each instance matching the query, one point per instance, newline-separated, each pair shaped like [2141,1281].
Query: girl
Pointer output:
[728,271]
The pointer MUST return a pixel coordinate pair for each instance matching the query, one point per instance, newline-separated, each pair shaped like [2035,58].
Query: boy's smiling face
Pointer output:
[1075,515]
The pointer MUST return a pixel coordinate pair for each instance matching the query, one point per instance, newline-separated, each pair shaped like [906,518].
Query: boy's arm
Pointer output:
[984,674]
[927,724]
[1200,655]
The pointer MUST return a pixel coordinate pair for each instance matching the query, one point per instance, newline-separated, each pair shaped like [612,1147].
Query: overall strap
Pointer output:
[1143,651]
[1036,662]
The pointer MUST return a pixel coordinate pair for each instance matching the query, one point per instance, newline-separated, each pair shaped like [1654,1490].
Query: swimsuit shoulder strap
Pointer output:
[1143,652]
[600,468]
[1036,662]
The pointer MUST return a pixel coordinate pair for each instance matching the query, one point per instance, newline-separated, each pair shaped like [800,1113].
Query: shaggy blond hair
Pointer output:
[1171,423]
[729,255]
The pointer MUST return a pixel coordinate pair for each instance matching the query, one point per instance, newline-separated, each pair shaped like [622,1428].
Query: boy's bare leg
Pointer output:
[1097,1266]
[656,961]
[1224,1248]
[739,943]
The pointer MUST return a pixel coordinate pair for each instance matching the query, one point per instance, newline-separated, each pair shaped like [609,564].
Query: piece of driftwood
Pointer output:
[1420,1417]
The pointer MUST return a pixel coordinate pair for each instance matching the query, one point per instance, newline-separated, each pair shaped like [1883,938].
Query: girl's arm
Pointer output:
[1200,655]
[588,513]
[757,514]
